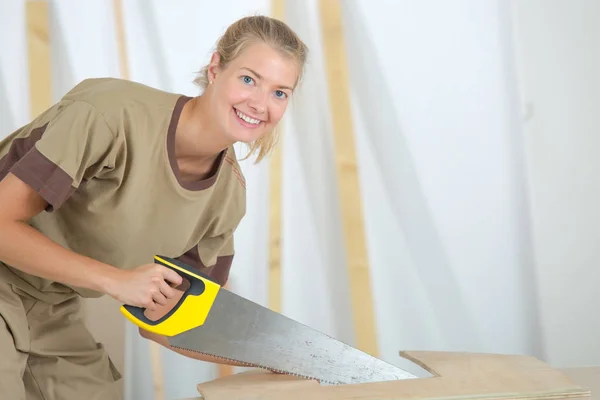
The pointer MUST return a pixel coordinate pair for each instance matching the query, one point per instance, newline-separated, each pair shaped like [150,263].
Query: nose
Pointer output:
[258,101]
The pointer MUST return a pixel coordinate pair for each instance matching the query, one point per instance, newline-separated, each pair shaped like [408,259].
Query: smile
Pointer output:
[247,118]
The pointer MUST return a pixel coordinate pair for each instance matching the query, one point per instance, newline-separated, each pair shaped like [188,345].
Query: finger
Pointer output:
[171,276]
[149,305]
[159,298]
[167,290]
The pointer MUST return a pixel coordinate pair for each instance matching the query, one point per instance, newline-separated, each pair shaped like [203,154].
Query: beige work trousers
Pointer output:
[47,353]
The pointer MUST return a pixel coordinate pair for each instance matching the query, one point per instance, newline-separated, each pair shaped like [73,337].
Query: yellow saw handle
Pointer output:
[189,312]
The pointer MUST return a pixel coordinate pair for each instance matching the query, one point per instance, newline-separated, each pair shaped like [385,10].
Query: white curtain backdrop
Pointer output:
[445,173]
[438,127]
[14,80]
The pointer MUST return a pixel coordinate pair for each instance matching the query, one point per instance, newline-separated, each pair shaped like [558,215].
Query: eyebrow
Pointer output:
[259,76]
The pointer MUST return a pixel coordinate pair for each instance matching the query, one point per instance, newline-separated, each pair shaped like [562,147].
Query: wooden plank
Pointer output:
[275,166]
[348,180]
[586,376]
[455,376]
[38,51]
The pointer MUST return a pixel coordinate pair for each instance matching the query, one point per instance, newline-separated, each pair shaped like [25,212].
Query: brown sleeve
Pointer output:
[70,149]
[219,271]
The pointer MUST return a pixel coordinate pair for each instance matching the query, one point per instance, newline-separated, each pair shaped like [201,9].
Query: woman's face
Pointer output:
[250,95]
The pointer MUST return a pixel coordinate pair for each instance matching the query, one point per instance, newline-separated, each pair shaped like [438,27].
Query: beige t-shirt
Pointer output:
[103,157]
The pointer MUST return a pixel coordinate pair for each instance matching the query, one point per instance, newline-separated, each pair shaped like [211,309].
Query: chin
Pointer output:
[243,138]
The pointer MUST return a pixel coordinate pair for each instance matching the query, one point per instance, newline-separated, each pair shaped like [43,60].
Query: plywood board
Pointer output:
[456,376]
[588,377]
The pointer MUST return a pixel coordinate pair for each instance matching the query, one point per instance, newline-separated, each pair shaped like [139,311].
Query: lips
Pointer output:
[246,120]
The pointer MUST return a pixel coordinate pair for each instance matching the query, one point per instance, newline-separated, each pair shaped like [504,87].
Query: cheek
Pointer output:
[276,112]
[234,94]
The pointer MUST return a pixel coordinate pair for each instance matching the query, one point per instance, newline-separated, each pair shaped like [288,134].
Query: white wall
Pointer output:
[559,63]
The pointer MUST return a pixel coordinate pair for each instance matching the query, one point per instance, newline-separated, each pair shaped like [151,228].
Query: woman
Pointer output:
[113,174]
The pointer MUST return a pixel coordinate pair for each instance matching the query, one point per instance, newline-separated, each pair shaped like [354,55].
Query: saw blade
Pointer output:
[237,329]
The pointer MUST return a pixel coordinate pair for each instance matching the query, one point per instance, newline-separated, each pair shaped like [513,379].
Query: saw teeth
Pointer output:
[257,366]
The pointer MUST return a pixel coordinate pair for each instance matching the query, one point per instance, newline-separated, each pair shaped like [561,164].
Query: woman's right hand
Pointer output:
[148,286]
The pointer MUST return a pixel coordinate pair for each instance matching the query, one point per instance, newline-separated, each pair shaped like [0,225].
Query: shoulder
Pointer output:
[109,93]
[115,98]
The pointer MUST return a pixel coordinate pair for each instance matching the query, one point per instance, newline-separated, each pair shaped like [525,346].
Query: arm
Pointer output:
[25,248]
[72,146]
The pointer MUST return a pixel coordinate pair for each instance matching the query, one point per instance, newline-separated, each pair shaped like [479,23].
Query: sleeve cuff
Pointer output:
[45,177]
[219,272]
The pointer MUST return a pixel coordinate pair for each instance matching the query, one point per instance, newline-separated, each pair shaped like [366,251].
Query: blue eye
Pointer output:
[280,94]
[248,80]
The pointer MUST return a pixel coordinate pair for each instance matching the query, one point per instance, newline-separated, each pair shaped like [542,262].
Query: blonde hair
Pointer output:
[245,32]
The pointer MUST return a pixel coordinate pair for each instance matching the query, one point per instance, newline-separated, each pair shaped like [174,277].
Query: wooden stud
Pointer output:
[275,167]
[157,373]
[121,41]
[38,48]
[348,180]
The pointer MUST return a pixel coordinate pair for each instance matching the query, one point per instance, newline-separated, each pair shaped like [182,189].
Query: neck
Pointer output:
[196,136]
[197,142]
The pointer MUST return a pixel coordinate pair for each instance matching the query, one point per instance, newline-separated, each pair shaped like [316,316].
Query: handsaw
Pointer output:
[211,320]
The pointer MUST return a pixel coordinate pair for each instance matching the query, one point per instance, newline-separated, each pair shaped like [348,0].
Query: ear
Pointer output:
[214,67]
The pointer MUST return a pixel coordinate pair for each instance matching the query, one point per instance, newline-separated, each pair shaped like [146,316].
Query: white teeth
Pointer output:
[247,118]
